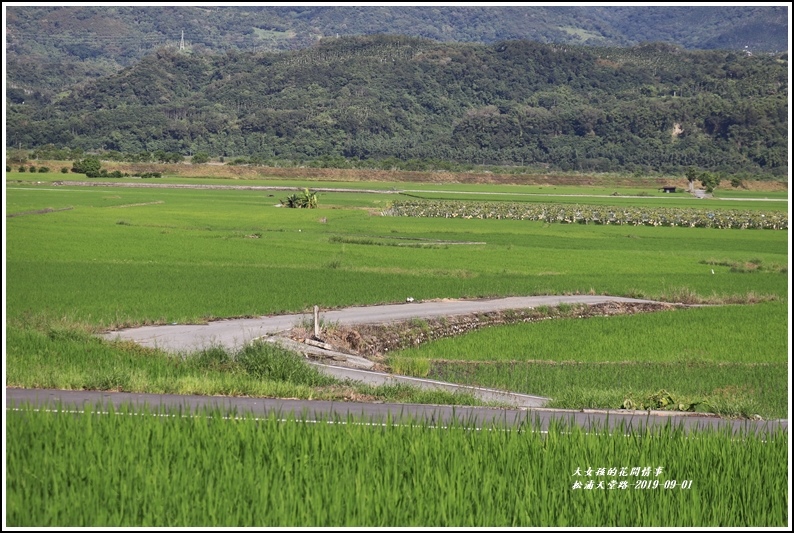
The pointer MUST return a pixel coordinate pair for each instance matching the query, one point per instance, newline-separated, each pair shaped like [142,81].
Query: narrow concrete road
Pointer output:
[233,334]
[375,413]
[500,397]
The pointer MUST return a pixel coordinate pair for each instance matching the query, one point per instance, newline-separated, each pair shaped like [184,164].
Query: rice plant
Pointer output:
[177,469]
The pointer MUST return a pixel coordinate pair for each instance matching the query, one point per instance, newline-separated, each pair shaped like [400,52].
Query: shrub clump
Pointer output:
[263,361]
[266,361]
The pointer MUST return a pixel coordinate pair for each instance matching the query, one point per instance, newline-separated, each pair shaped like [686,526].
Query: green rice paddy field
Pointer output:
[659,360]
[137,469]
[84,259]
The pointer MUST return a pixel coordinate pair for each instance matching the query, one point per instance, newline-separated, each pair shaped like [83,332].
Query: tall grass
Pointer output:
[64,358]
[133,469]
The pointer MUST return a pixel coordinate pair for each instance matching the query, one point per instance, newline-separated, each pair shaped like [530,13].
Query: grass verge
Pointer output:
[70,359]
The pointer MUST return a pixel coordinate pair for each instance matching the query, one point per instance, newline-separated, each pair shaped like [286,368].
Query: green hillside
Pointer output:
[51,47]
[651,107]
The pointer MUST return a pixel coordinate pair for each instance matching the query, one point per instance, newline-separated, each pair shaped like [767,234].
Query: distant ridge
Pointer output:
[49,48]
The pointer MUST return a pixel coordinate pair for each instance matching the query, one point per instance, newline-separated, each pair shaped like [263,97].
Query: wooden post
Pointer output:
[316,321]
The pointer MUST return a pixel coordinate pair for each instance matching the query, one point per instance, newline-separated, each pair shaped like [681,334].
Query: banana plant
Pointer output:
[308,199]
[292,201]
[305,200]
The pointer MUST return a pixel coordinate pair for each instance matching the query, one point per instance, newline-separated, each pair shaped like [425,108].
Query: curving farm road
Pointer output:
[235,333]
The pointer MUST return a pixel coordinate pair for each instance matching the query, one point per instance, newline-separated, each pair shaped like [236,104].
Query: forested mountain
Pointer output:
[51,47]
[649,107]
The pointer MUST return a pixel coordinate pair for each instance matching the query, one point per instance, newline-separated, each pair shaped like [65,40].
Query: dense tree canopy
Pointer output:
[650,107]
[51,47]
[88,165]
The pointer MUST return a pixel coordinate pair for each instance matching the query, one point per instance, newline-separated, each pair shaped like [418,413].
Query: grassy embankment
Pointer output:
[604,182]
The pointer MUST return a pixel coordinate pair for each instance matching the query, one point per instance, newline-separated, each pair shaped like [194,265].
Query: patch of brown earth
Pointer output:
[245,172]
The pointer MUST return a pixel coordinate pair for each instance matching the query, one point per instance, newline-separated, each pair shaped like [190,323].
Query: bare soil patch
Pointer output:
[245,172]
